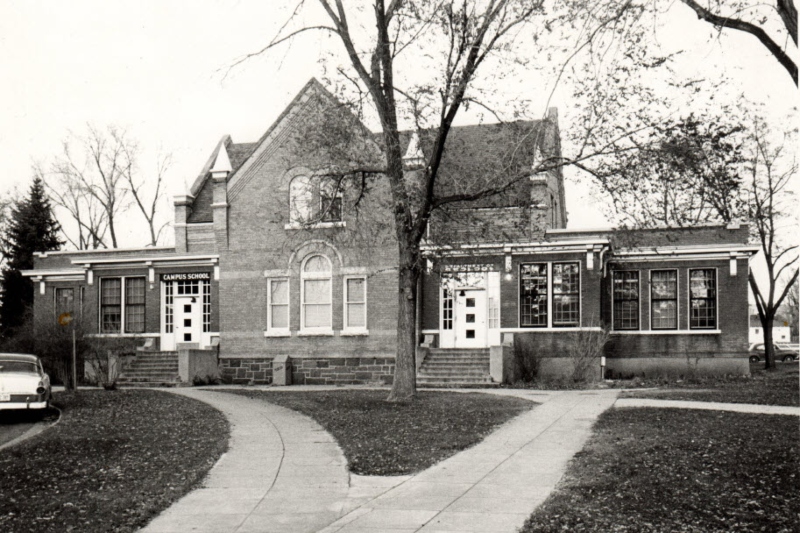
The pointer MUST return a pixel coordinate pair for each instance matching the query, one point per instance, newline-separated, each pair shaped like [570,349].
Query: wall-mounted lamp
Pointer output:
[462,293]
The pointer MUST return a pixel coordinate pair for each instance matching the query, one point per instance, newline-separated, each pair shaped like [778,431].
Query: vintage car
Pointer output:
[23,382]
[757,353]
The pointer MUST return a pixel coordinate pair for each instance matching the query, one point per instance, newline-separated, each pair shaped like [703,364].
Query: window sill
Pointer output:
[548,330]
[317,333]
[670,332]
[121,335]
[277,333]
[354,333]
[318,225]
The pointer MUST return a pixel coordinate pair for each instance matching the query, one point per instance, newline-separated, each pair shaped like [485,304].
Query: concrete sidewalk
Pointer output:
[710,406]
[283,473]
[493,486]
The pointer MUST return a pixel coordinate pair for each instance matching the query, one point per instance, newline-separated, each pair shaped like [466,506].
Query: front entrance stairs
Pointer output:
[151,369]
[455,368]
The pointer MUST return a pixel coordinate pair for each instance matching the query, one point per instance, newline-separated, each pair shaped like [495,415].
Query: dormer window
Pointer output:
[314,200]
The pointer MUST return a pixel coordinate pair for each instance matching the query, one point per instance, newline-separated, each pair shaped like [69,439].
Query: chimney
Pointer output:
[183,206]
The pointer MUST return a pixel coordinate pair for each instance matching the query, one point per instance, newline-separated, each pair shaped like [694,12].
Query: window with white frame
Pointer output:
[122,305]
[703,298]
[626,299]
[278,305]
[566,295]
[355,303]
[447,308]
[494,313]
[664,299]
[316,294]
[301,198]
[533,295]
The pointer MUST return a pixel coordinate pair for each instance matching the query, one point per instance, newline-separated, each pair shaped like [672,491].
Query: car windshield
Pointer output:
[7,367]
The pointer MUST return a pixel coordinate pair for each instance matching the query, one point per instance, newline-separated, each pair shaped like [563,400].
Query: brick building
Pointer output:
[281,248]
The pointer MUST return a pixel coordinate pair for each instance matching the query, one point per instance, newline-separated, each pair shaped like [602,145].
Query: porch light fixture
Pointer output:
[462,293]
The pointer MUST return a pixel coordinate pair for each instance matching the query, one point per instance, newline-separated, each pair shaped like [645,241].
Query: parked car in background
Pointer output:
[757,353]
[23,382]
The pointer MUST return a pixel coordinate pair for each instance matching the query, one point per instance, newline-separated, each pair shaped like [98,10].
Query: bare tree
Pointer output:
[466,46]
[771,174]
[95,179]
[147,195]
[757,19]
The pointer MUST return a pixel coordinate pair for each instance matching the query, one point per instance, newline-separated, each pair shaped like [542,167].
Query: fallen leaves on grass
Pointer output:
[386,439]
[676,470]
[113,462]
[775,387]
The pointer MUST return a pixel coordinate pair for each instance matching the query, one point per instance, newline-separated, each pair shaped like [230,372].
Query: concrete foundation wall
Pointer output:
[651,367]
[312,371]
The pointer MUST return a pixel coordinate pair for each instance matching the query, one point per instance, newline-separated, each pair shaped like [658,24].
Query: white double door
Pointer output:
[188,317]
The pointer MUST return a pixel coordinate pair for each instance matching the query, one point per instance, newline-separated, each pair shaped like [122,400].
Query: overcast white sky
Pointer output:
[156,67]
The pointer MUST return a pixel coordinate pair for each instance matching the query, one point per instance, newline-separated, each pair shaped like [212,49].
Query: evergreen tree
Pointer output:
[31,228]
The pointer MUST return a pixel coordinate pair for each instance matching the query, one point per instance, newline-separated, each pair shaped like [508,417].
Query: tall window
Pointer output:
[134,305]
[664,299]
[626,300]
[301,198]
[355,303]
[111,305]
[566,294]
[278,304]
[316,297]
[703,298]
[533,295]
[65,303]
[330,200]
[447,308]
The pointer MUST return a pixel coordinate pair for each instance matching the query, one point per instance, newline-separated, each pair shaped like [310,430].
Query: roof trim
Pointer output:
[102,251]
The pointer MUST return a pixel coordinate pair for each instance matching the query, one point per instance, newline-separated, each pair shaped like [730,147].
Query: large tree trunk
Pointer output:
[769,349]
[404,386]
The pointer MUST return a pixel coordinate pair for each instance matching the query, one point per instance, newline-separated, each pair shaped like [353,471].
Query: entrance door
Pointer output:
[470,318]
[188,319]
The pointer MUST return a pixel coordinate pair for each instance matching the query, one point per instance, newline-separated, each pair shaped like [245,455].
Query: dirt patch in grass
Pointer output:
[113,462]
[387,439]
[776,387]
[677,470]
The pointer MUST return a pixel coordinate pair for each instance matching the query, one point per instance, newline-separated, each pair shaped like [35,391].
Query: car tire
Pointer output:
[788,359]
[754,359]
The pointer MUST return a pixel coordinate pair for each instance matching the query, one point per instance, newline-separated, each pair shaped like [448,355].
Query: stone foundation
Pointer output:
[316,371]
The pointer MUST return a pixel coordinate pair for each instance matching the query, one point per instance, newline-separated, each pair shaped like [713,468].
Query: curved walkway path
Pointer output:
[282,473]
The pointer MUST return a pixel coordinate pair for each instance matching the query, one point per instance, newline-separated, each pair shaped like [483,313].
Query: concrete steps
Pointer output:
[151,369]
[455,368]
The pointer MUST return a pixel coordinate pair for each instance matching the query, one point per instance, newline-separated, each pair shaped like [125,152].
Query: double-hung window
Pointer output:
[316,294]
[278,305]
[122,305]
[566,294]
[626,300]
[134,305]
[355,304]
[703,298]
[664,299]
[533,295]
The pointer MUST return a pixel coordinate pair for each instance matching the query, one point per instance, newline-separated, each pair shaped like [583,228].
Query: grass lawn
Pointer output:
[380,438]
[660,470]
[777,387]
[113,462]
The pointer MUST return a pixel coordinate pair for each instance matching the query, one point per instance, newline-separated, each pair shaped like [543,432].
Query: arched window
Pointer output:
[301,199]
[316,294]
